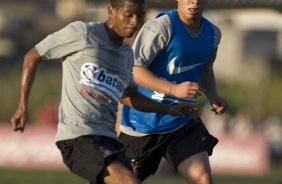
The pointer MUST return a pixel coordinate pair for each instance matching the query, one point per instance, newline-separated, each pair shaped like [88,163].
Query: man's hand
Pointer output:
[186,90]
[19,120]
[184,109]
[219,105]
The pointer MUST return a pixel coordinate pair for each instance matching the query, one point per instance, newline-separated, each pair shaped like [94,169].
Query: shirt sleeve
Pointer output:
[151,39]
[217,35]
[63,42]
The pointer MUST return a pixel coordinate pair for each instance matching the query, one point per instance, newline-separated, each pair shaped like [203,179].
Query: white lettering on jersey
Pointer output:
[101,80]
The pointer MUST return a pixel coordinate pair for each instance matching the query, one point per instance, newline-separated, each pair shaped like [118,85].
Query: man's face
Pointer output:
[191,9]
[127,18]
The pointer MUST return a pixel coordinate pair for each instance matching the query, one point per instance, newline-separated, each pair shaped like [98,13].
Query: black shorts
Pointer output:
[146,151]
[88,156]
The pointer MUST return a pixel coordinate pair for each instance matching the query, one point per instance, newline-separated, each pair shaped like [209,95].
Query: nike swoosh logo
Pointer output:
[172,69]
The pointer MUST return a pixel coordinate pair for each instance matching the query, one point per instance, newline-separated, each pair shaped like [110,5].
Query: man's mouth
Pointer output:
[193,10]
[132,29]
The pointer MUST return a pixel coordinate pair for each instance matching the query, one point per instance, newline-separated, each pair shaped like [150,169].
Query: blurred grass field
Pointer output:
[27,176]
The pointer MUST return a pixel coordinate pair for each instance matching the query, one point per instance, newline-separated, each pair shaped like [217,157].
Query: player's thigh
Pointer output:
[189,150]
[117,173]
[144,152]
[195,167]
[89,156]
[191,139]
[83,156]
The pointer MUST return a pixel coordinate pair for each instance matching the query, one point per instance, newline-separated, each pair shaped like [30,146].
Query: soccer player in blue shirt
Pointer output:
[174,55]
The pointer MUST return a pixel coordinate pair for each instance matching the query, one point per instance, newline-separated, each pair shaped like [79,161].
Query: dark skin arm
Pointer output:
[140,102]
[30,65]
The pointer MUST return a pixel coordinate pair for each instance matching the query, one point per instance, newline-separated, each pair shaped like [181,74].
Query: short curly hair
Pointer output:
[119,3]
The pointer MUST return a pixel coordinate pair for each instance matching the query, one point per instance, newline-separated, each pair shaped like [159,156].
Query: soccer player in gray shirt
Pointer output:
[97,73]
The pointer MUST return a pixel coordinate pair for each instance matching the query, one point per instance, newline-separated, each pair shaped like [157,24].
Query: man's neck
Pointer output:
[117,40]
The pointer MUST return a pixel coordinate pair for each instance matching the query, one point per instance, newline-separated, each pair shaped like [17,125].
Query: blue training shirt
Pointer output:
[183,59]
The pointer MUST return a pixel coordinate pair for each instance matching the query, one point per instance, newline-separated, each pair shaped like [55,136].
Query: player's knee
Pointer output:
[130,180]
[122,179]
[203,178]
[119,174]
[206,179]
[199,177]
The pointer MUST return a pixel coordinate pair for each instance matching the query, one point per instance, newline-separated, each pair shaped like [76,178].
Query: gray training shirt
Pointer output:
[95,74]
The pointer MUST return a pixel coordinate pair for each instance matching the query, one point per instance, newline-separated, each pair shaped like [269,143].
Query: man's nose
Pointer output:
[195,2]
[134,20]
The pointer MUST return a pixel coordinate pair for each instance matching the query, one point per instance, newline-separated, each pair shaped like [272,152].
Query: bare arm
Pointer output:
[140,102]
[147,79]
[31,61]
[208,82]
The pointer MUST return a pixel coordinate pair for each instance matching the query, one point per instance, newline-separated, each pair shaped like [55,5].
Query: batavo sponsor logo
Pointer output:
[100,79]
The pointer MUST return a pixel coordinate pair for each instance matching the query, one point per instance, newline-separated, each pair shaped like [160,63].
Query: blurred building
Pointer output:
[251,41]
[250,49]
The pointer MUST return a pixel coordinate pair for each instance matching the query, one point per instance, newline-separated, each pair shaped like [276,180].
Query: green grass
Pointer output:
[21,176]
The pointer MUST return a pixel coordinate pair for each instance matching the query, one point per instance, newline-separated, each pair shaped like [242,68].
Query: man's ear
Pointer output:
[111,11]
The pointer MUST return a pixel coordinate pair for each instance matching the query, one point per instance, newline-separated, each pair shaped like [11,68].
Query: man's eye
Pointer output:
[141,17]
[127,15]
